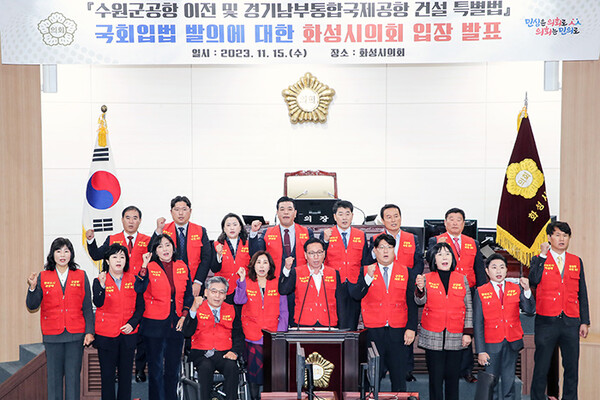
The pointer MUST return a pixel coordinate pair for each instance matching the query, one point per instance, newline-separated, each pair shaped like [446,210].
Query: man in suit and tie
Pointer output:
[217,338]
[497,322]
[284,242]
[191,241]
[562,309]
[137,245]
[469,262]
[347,251]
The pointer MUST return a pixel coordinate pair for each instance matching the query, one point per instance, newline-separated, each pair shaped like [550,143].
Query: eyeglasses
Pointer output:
[384,248]
[183,209]
[216,291]
[315,253]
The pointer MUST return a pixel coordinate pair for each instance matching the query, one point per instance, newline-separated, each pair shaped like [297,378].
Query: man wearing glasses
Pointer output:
[315,287]
[386,291]
[217,338]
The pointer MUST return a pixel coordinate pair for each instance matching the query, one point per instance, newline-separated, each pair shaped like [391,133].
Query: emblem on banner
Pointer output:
[524,178]
[57,30]
[322,370]
[308,100]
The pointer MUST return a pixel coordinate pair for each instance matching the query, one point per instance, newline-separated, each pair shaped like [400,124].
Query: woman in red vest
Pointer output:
[263,308]
[447,322]
[165,282]
[232,251]
[62,292]
[118,313]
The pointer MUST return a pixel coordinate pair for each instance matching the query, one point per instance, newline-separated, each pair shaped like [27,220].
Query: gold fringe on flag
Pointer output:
[102,130]
[517,249]
[522,114]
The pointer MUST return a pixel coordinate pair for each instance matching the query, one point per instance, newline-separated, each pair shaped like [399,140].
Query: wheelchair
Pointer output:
[189,387]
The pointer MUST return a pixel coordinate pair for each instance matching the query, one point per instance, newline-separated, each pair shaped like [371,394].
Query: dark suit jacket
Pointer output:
[478,265]
[536,271]
[237,334]
[258,243]
[526,304]
[360,290]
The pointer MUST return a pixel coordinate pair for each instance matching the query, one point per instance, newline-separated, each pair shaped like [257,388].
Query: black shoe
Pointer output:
[410,377]
[470,378]
[140,376]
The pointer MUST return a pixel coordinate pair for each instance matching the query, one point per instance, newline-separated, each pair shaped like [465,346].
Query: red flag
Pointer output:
[524,211]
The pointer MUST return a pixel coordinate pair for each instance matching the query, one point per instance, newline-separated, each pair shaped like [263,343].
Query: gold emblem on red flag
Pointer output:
[524,178]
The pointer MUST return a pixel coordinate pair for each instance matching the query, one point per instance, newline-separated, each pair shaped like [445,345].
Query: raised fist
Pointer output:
[256,224]
[420,282]
[89,234]
[327,234]
[160,225]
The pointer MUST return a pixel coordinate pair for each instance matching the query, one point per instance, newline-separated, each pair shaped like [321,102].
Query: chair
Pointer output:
[310,185]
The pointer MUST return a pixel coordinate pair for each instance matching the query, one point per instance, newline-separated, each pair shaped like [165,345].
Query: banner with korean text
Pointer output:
[331,32]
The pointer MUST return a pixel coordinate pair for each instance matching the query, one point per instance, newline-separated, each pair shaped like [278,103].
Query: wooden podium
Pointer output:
[338,347]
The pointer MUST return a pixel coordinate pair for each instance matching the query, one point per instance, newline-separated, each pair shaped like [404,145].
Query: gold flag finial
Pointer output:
[102,129]
[523,113]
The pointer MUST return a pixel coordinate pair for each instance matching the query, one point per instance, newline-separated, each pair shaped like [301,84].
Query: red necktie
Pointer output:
[130,244]
[456,246]
[286,242]
[501,294]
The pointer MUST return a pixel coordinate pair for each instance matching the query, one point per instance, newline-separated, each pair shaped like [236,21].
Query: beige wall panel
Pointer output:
[21,236]
[580,196]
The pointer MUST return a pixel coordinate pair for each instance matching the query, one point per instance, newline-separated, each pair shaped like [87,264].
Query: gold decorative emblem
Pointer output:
[524,178]
[308,100]
[322,370]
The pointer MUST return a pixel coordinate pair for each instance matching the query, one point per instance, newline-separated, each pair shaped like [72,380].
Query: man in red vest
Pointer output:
[388,308]
[137,245]
[191,241]
[347,251]
[562,310]
[469,262]
[284,242]
[217,338]
[315,287]
[497,322]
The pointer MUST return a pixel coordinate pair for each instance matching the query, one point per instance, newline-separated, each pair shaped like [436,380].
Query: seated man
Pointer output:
[217,338]
[315,287]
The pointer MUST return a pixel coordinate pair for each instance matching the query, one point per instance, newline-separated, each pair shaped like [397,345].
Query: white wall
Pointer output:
[427,137]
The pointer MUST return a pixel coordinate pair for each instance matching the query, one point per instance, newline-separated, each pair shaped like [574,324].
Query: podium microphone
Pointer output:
[303,301]
[326,303]
[301,194]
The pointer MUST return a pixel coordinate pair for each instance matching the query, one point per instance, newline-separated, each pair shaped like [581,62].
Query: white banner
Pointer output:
[331,32]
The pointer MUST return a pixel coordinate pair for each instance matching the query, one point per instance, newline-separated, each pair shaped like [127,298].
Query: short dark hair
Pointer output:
[252,272]
[385,207]
[284,199]
[436,249]
[157,241]
[114,249]
[58,244]
[342,204]
[177,199]
[131,208]
[389,239]
[561,226]
[313,240]
[495,256]
[243,234]
[455,211]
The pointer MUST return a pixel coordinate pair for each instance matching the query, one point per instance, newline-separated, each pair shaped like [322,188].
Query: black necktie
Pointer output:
[180,244]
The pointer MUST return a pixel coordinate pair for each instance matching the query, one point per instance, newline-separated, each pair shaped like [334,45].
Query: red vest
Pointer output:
[140,247]
[406,249]
[274,244]
[381,306]
[157,296]
[501,321]
[556,294]
[260,313]
[443,311]
[346,260]
[60,311]
[193,244]
[210,335]
[315,306]
[118,307]
[468,251]
[230,266]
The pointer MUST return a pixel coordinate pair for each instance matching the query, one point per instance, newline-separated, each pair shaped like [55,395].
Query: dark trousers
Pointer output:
[503,365]
[348,308]
[116,354]
[64,361]
[206,368]
[444,373]
[140,354]
[548,333]
[466,362]
[164,361]
[392,352]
